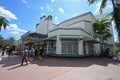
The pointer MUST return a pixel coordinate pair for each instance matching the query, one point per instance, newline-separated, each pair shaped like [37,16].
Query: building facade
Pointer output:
[72,37]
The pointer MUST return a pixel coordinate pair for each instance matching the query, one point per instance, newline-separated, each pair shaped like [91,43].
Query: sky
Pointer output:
[23,15]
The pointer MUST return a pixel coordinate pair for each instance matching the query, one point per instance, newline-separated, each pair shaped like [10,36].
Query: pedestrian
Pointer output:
[3,51]
[9,52]
[25,56]
[32,54]
[40,53]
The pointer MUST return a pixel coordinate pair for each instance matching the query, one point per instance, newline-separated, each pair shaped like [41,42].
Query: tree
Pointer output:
[103,3]
[1,41]
[101,28]
[115,15]
[8,42]
[11,41]
[3,22]
[117,47]
[116,18]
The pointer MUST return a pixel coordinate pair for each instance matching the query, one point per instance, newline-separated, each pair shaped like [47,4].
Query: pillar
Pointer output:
[80,47]
[58,45]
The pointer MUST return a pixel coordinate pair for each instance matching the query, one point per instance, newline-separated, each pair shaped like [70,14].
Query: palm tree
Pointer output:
[103,3]
[101,28]
[1,41]
[115,15]
[3,22]
[116,18]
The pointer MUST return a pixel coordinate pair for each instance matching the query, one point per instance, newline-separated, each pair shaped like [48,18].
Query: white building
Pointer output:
[72,37]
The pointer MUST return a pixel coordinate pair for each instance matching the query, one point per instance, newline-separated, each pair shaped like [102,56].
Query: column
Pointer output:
[80,47]
[86,48]
[58,45]
[47,47]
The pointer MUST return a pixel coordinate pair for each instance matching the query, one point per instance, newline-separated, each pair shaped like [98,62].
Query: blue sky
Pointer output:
[23,15]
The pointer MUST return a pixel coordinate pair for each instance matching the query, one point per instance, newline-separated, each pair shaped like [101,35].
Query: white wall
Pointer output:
[97,49]
[87,17]
[80,24]
[88,27]
[42,26]
[64,31]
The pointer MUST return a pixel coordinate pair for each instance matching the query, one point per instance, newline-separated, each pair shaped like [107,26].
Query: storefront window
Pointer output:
[52,47]
[69,47]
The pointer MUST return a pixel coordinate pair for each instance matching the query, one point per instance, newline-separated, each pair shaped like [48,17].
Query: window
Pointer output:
[84,47]
[70,47]
[52,47]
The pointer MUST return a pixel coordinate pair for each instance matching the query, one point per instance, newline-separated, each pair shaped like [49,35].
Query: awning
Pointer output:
[71,36]
[90,40]
[33,37]
[49,38]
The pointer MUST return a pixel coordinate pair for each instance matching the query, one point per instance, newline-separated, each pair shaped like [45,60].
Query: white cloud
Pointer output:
[110,6]
[24,1]
[41,8]
[61,10]
[97,7]
[56,18]
[49,8]
[52,1]
[14,32]
[8,14]
[14,29]
[42,14]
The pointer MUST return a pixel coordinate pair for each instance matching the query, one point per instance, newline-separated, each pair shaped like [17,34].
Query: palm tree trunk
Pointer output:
[113,4]
[101,48]
[119,35]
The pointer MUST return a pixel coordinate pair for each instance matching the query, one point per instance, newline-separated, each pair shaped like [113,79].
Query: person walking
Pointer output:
[25,56]
[3,51]
[32,54]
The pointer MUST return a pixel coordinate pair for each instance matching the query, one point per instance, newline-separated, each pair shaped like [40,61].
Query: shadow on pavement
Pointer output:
[15,67]
[59,62]
[74,62]
[10,61]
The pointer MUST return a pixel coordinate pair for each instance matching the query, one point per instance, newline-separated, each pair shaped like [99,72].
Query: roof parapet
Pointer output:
[43,17]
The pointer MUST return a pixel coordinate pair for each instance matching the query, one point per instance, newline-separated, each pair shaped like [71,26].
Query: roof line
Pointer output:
[75,17]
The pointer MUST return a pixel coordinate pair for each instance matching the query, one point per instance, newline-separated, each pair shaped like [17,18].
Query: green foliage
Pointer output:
[101,27]
[116,18]
[6,42]
[117,47]
[3,22]
[115,13]
[9,42]
[1,41]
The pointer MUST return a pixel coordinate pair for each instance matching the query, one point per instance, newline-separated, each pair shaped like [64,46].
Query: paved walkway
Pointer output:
[52,68]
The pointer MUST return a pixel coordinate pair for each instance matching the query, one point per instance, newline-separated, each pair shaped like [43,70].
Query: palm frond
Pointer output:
[102,27]
[91,1]
[3,22]
[102,6]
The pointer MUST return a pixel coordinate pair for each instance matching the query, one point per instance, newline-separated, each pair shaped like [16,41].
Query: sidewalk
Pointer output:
[52,68]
